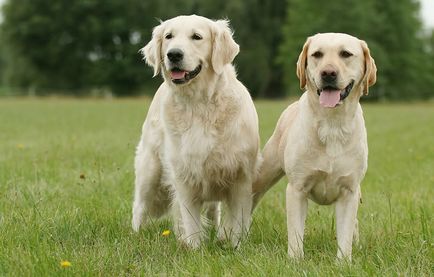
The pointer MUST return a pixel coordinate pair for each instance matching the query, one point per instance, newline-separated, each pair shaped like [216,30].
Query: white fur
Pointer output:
[200,140]
[323,151]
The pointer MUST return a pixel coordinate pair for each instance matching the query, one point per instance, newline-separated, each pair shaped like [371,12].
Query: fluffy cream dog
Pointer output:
[320,141]
[200,140]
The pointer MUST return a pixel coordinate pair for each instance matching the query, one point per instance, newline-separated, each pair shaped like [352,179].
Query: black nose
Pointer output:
[175,55]
[329,76]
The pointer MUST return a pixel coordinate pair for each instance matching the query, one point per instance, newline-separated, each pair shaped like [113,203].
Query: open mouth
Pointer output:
[180,76]
[331,97]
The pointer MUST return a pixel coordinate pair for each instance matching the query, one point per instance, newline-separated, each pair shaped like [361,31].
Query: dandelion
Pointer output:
[65,264]
[165,233]
[20,146]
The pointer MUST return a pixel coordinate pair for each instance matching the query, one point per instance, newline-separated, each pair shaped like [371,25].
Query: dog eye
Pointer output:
[345,54]
[317,54]
[196,37]
[168,36]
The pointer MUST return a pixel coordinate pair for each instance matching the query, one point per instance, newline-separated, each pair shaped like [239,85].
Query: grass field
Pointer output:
[66,183]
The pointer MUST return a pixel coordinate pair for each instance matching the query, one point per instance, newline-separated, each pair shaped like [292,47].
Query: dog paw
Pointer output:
[191,242]
[225,235]
[138,216]
[342,259]
[136,224]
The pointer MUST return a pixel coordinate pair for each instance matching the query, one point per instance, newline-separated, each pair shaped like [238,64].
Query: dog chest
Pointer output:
[323,178]
[206,160]
[325,188]
[206,168]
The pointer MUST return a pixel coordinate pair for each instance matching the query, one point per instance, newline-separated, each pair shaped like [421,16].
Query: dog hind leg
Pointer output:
[151,198]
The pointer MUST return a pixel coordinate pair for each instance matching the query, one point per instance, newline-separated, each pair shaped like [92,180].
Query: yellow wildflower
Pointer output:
[20,146]
[165,233]
[65,264]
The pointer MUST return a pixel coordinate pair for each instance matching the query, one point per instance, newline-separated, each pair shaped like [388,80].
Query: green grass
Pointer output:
[49,214]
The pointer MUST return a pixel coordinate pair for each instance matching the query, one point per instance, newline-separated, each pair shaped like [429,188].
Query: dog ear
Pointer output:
[224,47]
[370,76]
[152,51]
[302,63]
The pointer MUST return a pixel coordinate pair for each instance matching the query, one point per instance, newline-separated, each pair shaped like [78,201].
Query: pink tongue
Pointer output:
[177,74]
[329,98]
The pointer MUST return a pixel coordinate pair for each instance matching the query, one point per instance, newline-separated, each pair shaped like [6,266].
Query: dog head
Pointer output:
[336,67]
[185,46]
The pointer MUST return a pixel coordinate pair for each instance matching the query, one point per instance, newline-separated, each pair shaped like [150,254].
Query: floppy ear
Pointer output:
[224,47]
[370,76]
[302,63]
[152,51]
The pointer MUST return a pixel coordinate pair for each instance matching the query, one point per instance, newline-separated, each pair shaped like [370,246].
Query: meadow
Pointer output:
[66,187]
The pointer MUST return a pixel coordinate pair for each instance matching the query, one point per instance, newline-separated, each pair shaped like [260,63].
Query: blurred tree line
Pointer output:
[77,46]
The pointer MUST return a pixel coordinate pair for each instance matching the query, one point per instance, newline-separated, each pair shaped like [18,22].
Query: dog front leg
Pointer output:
[296,211]
[213,213]
[346,222]
[189,209]
[236,221]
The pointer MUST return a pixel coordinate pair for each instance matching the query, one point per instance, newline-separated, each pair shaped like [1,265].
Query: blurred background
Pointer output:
[90,47]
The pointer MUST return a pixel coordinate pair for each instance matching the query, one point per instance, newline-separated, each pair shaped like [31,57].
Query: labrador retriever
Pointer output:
[200,140]
[320,141]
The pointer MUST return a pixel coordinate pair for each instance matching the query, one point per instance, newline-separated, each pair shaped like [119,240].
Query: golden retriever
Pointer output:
[320,141]
[200,140]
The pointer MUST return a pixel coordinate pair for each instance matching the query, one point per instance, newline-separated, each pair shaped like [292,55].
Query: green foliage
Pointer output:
[404,61]
[67,185]
[80,45]
[75,45]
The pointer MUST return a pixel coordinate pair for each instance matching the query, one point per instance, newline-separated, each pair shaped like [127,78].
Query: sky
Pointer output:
[427,12]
